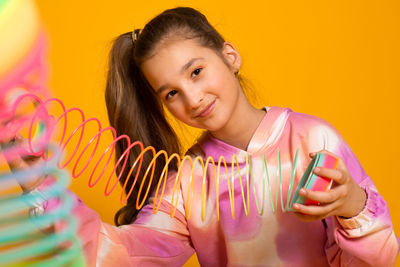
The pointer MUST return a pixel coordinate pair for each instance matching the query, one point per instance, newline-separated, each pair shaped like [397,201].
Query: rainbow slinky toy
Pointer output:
[23,68]
[47,124]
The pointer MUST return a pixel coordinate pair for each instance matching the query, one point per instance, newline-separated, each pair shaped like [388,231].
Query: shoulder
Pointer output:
[311,131]
[303,120]
[317,132]
[284,116]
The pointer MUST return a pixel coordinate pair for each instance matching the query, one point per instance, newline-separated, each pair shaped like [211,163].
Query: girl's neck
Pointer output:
[241,127]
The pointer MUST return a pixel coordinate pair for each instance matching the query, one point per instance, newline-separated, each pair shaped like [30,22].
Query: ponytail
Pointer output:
[135,109]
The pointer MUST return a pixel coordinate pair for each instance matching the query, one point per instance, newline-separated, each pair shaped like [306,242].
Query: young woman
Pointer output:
[180,62]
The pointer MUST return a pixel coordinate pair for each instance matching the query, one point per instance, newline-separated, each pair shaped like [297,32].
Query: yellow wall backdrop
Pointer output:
[338,60]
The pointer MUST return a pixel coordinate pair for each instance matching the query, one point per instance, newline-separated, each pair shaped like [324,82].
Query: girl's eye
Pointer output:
[170,94]
[196,72]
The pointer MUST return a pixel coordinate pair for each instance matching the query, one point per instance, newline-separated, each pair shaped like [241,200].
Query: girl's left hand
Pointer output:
[345,199]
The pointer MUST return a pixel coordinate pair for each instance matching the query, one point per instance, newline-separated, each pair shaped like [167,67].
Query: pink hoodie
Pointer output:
[270,239]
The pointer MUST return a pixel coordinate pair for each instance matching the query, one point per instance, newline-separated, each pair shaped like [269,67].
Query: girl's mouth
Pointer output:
[205,112]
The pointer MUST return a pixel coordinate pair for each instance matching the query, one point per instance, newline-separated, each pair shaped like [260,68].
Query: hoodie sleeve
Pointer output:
[367,239]
[152,240]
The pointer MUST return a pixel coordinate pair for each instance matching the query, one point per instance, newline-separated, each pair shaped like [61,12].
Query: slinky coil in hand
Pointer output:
[20,237]
[46,123]
[23,67]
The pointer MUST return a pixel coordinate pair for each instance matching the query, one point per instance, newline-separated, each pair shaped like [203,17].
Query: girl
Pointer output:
[179,61]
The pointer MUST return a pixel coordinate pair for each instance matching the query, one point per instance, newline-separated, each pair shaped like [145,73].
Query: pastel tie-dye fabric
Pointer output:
[270,239]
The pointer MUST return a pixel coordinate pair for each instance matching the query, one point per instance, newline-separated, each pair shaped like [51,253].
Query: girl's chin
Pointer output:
[216,127]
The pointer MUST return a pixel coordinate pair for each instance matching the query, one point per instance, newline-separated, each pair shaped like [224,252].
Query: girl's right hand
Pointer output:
[22,163]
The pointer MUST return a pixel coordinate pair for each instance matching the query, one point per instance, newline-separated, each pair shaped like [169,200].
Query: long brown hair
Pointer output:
[133,106]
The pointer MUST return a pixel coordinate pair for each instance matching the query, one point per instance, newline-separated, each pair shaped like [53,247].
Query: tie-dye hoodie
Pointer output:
[268,238]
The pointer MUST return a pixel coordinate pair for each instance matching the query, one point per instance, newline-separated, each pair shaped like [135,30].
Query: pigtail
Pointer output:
[134,109]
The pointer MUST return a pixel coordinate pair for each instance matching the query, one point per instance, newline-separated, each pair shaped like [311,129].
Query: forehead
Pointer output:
[169,58]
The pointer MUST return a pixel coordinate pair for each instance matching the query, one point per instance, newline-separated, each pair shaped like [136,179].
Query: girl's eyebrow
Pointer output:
[185,67]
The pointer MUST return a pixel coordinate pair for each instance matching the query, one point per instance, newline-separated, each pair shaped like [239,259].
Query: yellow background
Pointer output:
[338,60]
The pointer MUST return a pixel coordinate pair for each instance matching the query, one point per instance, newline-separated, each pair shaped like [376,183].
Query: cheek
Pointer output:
[218,78]
[222,79]
[215,84]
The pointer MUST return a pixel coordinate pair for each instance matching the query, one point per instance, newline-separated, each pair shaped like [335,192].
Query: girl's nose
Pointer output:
[194,98]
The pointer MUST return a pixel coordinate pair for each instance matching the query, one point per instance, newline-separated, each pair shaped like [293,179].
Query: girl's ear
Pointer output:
[232,55]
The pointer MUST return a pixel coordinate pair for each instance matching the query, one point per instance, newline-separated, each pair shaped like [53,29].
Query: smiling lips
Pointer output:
[205,112]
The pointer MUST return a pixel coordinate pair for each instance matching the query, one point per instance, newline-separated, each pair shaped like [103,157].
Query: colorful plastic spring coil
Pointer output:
[23,67]
[42,117]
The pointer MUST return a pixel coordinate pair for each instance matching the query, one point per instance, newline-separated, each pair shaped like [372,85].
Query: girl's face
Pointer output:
[194,83]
